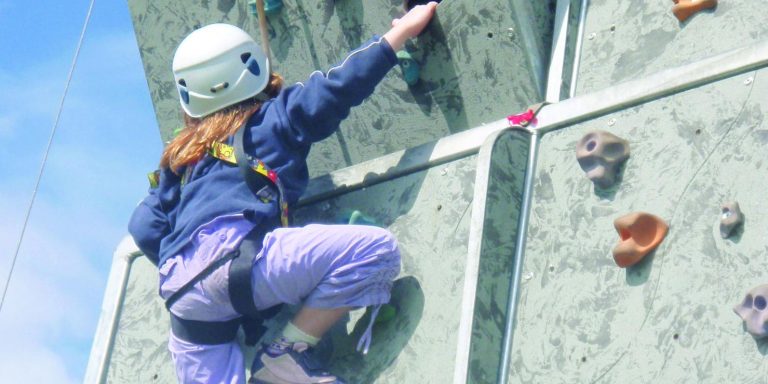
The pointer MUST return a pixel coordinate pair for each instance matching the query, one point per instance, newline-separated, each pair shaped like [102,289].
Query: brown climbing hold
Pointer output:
[639,233]
[683,9]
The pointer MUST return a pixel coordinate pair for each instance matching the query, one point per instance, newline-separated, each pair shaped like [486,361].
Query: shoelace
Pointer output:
[365,340]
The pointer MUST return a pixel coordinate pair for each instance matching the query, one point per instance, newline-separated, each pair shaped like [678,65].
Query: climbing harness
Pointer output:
[240,294]
[265,184]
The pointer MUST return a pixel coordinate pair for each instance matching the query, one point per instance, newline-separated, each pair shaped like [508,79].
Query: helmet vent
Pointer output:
[250,63]
[182,83]
[219,87]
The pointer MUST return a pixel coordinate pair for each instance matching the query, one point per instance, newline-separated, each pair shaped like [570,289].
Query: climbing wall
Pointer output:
[476,64]
[578,317]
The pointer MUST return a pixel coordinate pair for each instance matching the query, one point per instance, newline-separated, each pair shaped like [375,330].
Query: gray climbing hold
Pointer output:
[730,218]
[754,312]
[600,155]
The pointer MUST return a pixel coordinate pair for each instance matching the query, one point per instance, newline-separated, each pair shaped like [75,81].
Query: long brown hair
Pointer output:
[191,144]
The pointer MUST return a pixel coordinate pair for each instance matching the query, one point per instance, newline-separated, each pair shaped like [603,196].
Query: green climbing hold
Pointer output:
[387,312]
[409,66]
[358,218]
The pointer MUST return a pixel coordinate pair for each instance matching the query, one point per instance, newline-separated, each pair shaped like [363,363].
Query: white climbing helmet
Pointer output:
[216,66]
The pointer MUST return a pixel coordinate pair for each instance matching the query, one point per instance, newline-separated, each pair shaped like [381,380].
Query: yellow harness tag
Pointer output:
[226,153]
[154,179]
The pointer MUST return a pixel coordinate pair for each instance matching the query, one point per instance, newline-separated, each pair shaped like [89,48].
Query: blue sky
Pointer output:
[106,142]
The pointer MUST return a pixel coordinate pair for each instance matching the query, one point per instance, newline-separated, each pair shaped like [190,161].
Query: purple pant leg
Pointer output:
[203,364]
[326,266]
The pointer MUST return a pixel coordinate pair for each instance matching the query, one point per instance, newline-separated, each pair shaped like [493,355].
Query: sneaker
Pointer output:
[283,362]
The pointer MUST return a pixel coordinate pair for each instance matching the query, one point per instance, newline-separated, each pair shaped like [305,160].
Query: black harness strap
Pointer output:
[199,277]
[205,332]
[240,289]
[253,180]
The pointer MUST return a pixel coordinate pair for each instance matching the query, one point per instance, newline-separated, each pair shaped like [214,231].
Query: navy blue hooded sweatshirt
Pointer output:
[280,134]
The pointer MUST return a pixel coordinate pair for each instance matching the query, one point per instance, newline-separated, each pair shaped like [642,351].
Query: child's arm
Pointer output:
[314,110]
[149,225]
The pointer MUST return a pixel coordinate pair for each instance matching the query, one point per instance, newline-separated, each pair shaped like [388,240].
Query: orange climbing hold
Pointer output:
[640,233]
[683,9]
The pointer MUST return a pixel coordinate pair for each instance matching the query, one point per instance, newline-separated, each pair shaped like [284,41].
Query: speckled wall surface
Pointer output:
[626,40]
[140,354]
[429,214]
[473,69]
[669,319]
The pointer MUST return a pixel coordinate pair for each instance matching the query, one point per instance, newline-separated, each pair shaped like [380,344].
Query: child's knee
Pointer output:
[383,242]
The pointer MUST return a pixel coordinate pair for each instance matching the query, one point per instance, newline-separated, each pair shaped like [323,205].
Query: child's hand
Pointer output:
[410,25]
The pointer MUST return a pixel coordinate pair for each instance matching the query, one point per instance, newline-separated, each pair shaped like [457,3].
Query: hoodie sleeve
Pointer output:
[149,225]
[313,110]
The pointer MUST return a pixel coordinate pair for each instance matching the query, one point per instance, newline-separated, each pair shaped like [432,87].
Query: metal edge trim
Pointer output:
[661,84]
[557,57]
[523,15]
[514,284]
[579,45]
[114,295]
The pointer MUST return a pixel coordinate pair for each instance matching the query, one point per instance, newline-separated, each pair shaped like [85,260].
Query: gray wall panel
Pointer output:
[669,319]
[140,354]
[625,40]
[473,70]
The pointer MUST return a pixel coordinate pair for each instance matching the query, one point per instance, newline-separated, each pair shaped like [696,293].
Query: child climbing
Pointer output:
[224,184]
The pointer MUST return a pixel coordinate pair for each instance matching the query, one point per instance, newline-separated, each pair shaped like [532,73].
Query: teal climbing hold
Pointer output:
[409,66]
[358,218]
[270,6]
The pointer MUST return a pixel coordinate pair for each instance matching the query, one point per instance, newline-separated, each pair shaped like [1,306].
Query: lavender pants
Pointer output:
[320,266]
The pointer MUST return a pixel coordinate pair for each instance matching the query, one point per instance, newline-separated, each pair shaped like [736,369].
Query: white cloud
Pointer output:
[94,177]
[32,363]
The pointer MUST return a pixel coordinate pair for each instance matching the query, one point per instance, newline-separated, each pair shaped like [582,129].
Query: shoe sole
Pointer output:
[267,377]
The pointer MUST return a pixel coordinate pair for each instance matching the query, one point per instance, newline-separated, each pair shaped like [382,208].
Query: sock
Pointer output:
[293,334]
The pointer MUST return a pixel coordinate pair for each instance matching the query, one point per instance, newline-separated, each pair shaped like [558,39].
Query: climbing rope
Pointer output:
[45,154]
[263,29]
